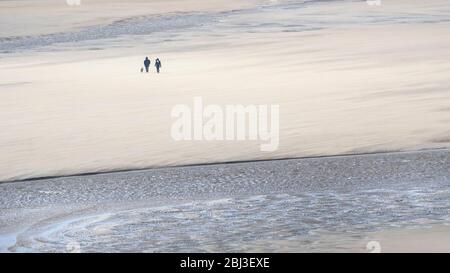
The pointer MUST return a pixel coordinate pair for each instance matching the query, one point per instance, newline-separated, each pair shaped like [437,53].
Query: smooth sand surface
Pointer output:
[365,80]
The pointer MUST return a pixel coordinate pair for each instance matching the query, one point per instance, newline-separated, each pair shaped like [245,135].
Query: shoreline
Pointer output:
[387,153]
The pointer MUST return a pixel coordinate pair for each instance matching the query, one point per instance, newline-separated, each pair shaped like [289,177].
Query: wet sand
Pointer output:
[349,78]
[329,204]
[29,17]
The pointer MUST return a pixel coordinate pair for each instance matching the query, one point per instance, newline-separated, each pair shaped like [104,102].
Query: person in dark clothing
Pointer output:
[146,64]
[158,65]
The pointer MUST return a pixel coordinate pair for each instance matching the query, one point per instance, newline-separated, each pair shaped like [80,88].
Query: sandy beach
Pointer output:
[350,80]
[29,17]
[348,85]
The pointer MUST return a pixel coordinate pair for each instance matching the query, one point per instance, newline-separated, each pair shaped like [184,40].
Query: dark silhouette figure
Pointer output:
[146,64]
[158,65]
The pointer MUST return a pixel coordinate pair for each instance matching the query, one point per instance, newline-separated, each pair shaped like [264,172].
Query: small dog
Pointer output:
[142,70]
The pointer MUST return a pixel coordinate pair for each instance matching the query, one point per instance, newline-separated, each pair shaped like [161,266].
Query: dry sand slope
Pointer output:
[349,78]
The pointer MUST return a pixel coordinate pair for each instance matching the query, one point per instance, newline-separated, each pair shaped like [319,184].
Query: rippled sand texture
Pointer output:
[349,78]
[336,204]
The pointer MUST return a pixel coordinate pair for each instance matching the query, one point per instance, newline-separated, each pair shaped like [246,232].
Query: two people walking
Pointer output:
[147,63]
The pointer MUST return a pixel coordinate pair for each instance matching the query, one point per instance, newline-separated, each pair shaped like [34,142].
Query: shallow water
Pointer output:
[261,223]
